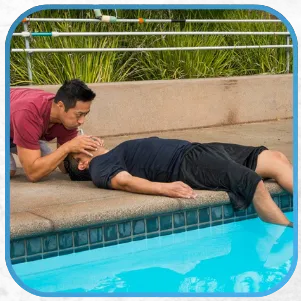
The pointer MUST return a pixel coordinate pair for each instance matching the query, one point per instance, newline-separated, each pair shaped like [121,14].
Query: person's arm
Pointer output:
[37,167]
[125,181]
[61,165]
[28,127]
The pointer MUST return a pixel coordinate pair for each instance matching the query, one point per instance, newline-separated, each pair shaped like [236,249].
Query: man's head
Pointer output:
[73,100]
[77,167]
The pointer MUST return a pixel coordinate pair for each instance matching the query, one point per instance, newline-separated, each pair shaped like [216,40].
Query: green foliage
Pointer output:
[54,68]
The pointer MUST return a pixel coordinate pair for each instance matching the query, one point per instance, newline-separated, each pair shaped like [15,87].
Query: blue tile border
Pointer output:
[98,236]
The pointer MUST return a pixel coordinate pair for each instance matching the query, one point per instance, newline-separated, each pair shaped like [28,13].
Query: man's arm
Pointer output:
[37,167]
[61,166]
[127,182]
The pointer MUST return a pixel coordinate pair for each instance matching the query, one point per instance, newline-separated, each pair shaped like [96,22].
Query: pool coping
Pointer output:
[179,215]
[61,217]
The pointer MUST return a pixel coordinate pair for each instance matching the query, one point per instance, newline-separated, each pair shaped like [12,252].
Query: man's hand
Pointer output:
[83,143]
[178,190]
[100,141]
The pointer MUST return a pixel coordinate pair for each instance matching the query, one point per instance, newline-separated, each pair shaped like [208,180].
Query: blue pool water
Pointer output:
[247,256]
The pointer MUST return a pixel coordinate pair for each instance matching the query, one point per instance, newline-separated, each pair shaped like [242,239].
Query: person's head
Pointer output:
[73,100]
[76,164]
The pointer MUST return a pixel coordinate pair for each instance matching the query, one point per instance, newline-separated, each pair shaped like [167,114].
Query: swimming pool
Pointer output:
[245,256]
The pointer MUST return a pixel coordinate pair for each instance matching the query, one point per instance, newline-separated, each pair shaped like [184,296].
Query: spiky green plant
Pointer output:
[54,68]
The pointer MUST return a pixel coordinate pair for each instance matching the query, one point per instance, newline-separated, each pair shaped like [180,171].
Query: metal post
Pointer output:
[27,46]
[287,55]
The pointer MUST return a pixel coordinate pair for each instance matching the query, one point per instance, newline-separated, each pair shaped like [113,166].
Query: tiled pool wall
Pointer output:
[102,235]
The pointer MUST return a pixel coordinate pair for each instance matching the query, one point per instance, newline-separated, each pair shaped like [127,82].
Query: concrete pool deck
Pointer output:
[57,204]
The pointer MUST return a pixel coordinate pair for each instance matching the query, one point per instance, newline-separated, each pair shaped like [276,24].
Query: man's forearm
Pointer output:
[43,166]
[139,185]
[127,182]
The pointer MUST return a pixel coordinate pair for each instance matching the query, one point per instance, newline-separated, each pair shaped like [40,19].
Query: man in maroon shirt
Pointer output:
[36,115]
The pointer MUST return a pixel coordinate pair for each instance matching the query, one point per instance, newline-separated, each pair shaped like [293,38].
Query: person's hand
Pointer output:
[82,144]
[179,190]
[98,140]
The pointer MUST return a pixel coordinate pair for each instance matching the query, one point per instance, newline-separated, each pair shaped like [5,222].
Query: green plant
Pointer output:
[54,68]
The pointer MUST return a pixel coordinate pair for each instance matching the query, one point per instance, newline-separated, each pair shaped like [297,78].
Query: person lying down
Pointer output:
[173,168]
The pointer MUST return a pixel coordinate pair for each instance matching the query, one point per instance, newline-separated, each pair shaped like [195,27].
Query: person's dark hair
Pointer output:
[71,166]
[72,91]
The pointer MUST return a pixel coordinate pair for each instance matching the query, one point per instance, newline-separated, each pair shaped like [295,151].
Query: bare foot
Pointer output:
[291,225]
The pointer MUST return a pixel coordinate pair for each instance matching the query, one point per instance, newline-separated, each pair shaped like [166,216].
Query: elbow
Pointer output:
[32,178]
[35,175]
[121,182]
[120,185]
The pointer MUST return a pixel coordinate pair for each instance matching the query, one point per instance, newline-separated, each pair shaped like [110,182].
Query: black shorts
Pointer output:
[222,166]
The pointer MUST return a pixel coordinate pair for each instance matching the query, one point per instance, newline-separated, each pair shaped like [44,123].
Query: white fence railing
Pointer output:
[111,19]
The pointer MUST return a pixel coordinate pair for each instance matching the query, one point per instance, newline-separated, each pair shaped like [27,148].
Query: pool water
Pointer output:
[246,256]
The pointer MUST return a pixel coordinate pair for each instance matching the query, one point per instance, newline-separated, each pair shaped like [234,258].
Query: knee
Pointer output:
[279,156]
[45,149]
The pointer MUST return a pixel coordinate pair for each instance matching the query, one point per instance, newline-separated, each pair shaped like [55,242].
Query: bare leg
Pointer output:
[275,165]
[266,208]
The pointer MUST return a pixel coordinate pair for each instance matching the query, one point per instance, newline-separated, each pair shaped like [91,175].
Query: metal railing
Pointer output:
[26,34]
[110,19]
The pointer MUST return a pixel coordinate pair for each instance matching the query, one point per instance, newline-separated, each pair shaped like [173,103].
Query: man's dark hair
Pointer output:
[71,166]
[72,91]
